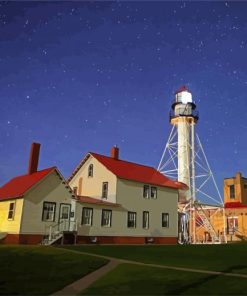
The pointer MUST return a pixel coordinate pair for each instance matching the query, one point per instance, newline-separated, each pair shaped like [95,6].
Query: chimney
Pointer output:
[238,175]
[34,158]
[115,152]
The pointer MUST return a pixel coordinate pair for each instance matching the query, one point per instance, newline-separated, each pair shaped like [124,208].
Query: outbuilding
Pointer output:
[36,207]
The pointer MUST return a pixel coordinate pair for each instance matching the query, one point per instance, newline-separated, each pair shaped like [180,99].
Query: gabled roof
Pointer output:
[132,171]
[18,186]
[91,200]
[234,205]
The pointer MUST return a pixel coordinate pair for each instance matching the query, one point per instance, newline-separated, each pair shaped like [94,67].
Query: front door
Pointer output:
[232,223]
[64,217]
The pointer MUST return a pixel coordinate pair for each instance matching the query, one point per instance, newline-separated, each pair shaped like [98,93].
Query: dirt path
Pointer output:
[239,275]
[81,284]
[86,281]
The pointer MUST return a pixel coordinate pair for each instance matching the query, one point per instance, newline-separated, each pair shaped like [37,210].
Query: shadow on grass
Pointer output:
[199,283]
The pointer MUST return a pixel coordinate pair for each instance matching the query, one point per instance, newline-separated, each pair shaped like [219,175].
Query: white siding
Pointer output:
[92,186]
[130,196]
[49,189]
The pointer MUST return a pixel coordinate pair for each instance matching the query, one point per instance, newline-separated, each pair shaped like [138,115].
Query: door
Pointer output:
[64,217]
[232,223]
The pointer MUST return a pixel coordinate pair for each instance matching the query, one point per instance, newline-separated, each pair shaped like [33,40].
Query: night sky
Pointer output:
[80,76]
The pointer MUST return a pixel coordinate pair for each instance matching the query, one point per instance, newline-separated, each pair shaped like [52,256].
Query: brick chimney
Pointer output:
[115,152]
[34,158]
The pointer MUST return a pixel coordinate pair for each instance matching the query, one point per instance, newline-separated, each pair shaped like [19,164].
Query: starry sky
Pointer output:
[84,76]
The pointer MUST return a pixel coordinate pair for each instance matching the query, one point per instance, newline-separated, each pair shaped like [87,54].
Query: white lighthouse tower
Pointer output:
[201,209]
[184,117]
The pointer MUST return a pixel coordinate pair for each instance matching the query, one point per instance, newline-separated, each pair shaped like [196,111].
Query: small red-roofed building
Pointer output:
[35,207]
[124,202]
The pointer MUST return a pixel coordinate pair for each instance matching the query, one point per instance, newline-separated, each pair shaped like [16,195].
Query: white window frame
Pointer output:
[64,211]
[131,217]
[87,216]
[153,194]
[49,213]
[11,212]
[106,218]
[146,191]
[104,190]
[165,222]
[90,170]
[145,220]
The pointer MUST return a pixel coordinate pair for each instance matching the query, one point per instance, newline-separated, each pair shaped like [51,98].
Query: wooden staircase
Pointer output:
[56,232]
[207,224]
[237,236]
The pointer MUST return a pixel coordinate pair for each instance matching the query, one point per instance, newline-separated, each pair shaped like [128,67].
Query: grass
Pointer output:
[227,258]
[37,270]
[127,279]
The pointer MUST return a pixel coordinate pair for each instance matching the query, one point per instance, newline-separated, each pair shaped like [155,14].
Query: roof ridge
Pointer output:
[151,167]
[19,185]
[53,167]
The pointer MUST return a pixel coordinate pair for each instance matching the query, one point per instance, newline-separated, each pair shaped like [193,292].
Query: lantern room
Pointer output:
[183,105]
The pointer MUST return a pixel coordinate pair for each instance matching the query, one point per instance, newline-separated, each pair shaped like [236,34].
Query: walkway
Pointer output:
[76,287]
[81,284]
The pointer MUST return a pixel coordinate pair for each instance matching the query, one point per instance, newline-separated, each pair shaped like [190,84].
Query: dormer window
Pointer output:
[90,170]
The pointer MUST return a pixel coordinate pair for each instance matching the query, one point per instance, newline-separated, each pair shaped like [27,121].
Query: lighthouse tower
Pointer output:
[201,216]
[184,116]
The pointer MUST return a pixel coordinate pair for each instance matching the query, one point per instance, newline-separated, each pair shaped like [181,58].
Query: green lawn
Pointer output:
[41,270]
[127,279]
[227,258]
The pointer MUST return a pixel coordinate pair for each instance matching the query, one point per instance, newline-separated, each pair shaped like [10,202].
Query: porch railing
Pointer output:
[54,232]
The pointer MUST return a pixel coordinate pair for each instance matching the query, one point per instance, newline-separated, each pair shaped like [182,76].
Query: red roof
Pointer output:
[183,88]
[21,184]
[236,204]
[91,200]
[137,172]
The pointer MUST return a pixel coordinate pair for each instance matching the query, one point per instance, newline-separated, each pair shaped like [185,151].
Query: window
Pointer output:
[104,189]
[65,210]
[106,218]
[131,223]
[11,211]
[245,186]
[146,191]
[145,220]
[87,216]
[165,220]
[153,192]
[49,209]
[232,191]
[75,190]
[232,224]
[90,170]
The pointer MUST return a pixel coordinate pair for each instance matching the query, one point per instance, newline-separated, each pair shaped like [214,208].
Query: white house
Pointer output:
[123,202]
